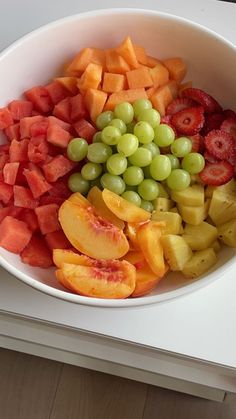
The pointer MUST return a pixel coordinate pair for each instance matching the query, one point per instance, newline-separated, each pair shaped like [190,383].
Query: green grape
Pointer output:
[151,116]
[104,119]
[132,197]
[97,138]
[91,171]
[127,144]
[193,163]
[153,148]
[133,176]
[181,147]
[131,188]
[160,167]
[116,164]
[125,112]
[113,183]
[110,135]
[96,182]
[141,157]
[174,161]
[130,127]
[141,105]
[148,189]
[77,149]
[118,123]
[144,132]
[146,205]
[77,183]
[164,135]
[99,152]
[146,172]
[178,180]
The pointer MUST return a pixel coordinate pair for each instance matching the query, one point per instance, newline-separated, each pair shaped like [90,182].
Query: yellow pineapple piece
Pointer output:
[209,191]
[194,215]
[199,263]
[173,221]
[227,233]
[176,251]
[163,193]
[216,246]
[191,196]
[229,187]
[162,204]
[175,210]
[222,207]
[200,236]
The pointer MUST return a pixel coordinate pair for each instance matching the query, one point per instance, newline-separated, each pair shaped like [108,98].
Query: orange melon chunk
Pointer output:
[113,82]
[140,54]
[115,63]
[95,101]
[139,78]
[129,95]
[177,68]
[159,75]
[126,50]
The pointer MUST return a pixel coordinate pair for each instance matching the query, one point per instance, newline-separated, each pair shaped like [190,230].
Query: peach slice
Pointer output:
[149,235]
[123,209]
[91,234]
[131,234]
[105,279]
[61,278]
[96,199]
[146,279]
[61,256]
[79,199]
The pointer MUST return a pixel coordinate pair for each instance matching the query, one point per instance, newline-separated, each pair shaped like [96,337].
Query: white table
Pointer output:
[187,344]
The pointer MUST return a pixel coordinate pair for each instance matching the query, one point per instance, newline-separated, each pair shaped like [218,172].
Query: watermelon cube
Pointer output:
[10,172]
[23,197]
[37,182]
[20,109]
[40,98]
[49,199]
[48,218]
[39,128]
[4,211]
[4,158]
[85,130]
[5,118]
[37,149]
[13,132]
[6,192]
[78,109]
[56,91]
[18,150]
[30,218]
[60,189]
[57,240]
[26,124]
[14,234]
[52,120]
[57,167]
[36,253]
[62,110]
[58,136]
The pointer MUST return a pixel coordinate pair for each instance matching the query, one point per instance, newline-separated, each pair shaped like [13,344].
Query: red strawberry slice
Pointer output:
[220,144]
[229,113]
[210,158]
[197,143]
[229,125]
[179,104]
[189,121]
[212,121]
[217,173]
[209,104]
[166,119]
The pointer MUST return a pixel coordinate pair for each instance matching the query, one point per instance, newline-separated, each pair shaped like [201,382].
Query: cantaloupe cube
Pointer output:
[129,95]
[115,63]
[113,82]
[140,54]
[126,50]
[177,68]
[159,75]
[95,101]
[139,78]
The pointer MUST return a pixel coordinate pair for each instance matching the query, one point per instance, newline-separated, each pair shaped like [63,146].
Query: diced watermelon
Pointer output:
[36,113]
[57,168]
[14,234]
[40,98]
[56,91]
[52,120]
[36,253]
[18,151]
[60,189]
[58,136]
[15,211]
[30,218]
[10,172]
[13,132]
[20,109]
[4,211]
[49,199]
[4,158]
[37,183]
[23,197]
[38,149]
[26,124]
[48,218]
[5,118]
[85,130]
[62,110]
[6,192]
[57,240]
[39,128]
[78,109]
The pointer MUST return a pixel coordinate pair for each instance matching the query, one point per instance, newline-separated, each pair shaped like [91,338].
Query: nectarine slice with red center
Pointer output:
[96,199]
[61,256]
[79,199]
[105,279]
[131,230]
[91,234]
[61,278]
[149,235]
[123,209]
[146,279]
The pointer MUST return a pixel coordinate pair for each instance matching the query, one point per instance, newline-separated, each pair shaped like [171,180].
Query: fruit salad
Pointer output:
[118,172]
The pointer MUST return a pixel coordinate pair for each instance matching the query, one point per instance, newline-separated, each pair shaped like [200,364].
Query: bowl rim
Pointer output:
[130,302]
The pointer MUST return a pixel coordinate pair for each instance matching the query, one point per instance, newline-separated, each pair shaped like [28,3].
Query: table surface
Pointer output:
[200,325]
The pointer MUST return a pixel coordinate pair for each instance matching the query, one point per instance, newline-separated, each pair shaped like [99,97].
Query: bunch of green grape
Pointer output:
[128,156]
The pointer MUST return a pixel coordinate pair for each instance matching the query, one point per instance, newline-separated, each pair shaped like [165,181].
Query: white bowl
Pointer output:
[38,56]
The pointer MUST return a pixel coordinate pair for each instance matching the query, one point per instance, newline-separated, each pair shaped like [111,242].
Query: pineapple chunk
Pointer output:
[199,263]
[174,210]
[222,207]
[163,193]
[162,204]
[195,179]
[194,215]
[227,233]
[229,187]
[216,246]
[191,196]
[173,221]
[176,251]
[209,191]
[200,236]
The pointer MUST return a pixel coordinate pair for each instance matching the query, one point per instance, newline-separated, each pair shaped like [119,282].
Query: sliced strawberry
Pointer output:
[197,143]
[220,144]
[212,121]
[209,157]
[179,104]
[189,121]
[229,113]
[229,125]
[166,119]
[217,173]
[209,104]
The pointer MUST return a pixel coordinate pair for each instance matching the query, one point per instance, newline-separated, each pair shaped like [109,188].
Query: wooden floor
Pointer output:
[36,388]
